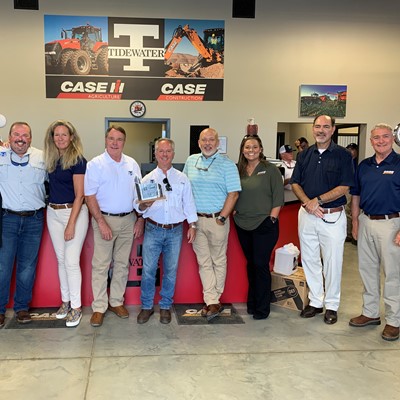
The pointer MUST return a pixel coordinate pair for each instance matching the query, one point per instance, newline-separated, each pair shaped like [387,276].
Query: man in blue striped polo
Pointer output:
[215,184]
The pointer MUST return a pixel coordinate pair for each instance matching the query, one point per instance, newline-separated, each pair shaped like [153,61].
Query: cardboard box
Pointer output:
[289,291]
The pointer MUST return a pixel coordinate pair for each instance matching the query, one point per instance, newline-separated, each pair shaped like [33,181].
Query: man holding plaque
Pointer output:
[215,183]
[111,196]
[164,218]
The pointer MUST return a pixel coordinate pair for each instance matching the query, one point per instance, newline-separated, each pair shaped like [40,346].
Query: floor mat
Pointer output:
[42,318]
[189,314]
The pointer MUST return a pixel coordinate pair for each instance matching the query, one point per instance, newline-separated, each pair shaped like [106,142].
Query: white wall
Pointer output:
[266,60]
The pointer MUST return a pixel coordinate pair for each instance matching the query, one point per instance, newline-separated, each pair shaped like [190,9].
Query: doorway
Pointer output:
[141,135]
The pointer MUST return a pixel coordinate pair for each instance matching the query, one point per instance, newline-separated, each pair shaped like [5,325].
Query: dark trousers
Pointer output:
[257,246]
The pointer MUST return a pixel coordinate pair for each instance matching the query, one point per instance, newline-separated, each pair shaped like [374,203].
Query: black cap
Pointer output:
[352,146]
[287,148]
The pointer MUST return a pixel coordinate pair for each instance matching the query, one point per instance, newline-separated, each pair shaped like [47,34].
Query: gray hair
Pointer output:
[168,140]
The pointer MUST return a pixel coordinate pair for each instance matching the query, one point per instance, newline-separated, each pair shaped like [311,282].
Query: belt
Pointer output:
[116,215]
[60,206]
[333,210]
[164,226]
[23,213]
[384,216]
[212,215]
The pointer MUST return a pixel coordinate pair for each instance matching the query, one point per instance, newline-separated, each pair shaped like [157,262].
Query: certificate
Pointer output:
[148,191]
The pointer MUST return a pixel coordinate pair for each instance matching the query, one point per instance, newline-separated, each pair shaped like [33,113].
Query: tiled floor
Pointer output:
[283,357]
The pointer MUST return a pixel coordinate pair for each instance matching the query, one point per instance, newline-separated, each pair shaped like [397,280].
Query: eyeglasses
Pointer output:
[202,168]
[19,164]
[168,187]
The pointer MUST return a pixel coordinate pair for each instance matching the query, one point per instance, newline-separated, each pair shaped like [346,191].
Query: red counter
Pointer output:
[46,292]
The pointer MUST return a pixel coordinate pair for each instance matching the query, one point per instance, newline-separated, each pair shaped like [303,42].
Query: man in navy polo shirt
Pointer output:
[377,230]
[321,178]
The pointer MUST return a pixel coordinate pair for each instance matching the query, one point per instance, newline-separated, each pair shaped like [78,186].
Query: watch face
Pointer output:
[137,109]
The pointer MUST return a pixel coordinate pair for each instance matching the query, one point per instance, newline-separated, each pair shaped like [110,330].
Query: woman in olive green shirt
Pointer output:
[256,219]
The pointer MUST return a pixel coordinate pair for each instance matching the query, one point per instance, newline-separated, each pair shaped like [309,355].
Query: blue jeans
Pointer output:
[21,241]
[168,243]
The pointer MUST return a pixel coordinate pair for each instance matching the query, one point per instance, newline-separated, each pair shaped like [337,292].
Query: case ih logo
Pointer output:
[92,90]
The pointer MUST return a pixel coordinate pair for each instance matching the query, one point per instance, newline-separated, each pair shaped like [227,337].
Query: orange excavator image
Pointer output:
[210,49]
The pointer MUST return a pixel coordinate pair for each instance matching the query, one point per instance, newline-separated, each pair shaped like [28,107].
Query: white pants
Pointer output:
[319,238]
[68,252]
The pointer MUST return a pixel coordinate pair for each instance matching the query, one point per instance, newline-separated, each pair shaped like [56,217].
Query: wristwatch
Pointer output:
[320,202]
[221,218]
[273,219]
[194,226]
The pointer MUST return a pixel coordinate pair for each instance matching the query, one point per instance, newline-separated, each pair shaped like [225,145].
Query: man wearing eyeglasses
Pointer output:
[375,211]
[164,230]
[321,178]
[215,183]
[22,177]
[111,198]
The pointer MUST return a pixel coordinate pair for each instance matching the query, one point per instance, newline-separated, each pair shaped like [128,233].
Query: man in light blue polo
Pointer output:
[22,177]
[215,184]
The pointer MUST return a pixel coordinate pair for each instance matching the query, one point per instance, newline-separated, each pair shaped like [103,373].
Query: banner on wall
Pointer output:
[118,58]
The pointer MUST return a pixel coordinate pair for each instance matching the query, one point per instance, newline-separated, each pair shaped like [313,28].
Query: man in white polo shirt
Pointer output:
[110,195]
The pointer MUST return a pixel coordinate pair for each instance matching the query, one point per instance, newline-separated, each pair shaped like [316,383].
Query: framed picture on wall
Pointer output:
[323,99]
[222,144]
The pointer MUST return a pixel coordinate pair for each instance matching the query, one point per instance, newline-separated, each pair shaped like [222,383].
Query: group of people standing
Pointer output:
[210,189]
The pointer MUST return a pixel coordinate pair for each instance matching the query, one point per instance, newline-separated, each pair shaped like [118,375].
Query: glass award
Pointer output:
[148,191]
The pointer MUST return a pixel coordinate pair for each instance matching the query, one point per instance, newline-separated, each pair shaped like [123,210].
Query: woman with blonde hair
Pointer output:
[67,215]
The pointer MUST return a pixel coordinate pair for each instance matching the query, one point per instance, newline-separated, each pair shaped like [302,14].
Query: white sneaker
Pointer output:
[63,310]
[74,317]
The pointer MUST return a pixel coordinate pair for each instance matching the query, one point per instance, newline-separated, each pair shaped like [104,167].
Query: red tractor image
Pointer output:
[80,51]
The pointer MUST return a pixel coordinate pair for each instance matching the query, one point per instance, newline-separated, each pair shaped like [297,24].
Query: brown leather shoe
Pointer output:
[165,316]
[214,310]
[204,311]
[390,333]
[97,319]
[144,316]
[2,320]
[23,317]
[362,320]
[121,311]
[311,311]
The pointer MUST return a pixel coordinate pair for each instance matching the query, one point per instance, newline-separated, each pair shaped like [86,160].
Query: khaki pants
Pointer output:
[210,247]
[375,249]
[117,250]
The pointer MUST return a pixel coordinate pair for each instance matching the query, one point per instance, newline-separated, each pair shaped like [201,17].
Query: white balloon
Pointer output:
[3,121]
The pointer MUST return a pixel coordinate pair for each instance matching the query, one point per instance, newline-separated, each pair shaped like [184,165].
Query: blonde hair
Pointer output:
[72,155]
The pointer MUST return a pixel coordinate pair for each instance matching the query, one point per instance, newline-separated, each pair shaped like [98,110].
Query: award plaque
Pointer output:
[148,191]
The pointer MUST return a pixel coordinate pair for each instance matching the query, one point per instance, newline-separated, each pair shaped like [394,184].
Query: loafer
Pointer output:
[330,317]
[120,311]
[260,316]
[214,310]
[23,317]
[390,333]
[165,316]
[2,320]
[97,319]
[144,316]
[310,312]
[204,311]
[362,320]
